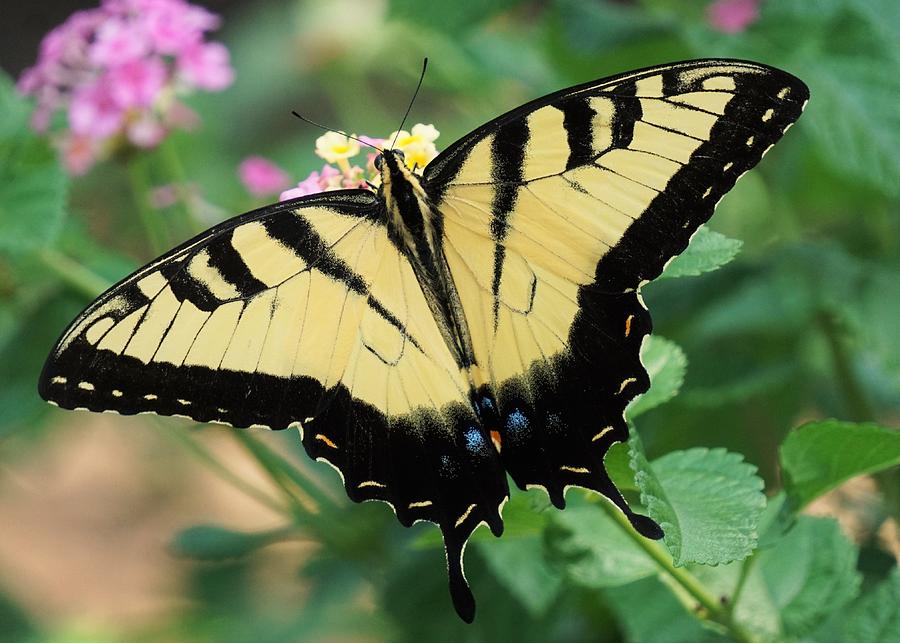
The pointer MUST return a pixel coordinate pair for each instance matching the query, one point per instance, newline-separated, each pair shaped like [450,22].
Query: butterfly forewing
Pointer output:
[557,212]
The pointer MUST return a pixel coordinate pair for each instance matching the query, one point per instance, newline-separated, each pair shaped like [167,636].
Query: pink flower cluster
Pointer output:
[329,178]
[118,70]
[732,16]
[262,177]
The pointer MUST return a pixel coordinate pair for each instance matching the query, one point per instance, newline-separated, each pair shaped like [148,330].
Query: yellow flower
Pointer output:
[333,146]
[418,145]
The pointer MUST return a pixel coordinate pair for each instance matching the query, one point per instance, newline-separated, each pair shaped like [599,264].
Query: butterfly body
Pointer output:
[416,229]
[479,320]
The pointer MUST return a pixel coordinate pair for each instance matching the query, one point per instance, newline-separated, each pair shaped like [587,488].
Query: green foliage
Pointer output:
[707,501]
[848,58]
[818,456]
[520,565]
[716,498]
[650,613]
[32,183]
[597,27]
[707,251]
[465,14]
[810,574]
[596,551]
[666,364]
[214,542]
[876,616]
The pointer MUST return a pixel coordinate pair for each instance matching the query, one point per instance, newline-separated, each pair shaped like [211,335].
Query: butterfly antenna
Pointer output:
[415,93]
[328,129]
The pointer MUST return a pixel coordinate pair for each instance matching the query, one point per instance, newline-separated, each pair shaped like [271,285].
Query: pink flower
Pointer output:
[117,42]
[732,16]
[173,24]
[310,185]
[94,111]
[114,68]
[137,83]
[372,142]
[205,66]
[262,177]
[354,178]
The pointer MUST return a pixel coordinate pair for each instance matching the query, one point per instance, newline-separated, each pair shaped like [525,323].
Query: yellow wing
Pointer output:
[301,314]
[556,213]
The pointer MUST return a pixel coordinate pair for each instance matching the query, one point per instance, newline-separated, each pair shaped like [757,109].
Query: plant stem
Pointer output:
[857,403]
[140,188]
[746,567]
[715,612]
[80,278]
[177,174]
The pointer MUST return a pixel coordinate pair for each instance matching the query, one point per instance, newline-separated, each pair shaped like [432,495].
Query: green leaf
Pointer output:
[708,502]
[666,364]
[876,616]
[653,495]
[32,183]
[214,542]
[810,574]
[521,566]
[649,612]
[707,251]
[819,456]
[517,560]
[616,464]
[596,550]
[718,500]
[775,521]
[855,120]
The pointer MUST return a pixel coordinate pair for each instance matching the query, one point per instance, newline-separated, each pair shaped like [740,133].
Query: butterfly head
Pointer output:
[395,175]
[396,158]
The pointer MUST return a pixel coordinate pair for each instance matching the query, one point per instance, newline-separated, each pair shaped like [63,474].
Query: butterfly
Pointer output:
[481,319]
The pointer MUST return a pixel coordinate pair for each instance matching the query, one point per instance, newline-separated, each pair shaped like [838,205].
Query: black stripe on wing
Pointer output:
[507,161]
[577,121]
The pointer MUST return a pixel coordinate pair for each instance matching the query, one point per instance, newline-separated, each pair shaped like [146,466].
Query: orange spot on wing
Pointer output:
[495,438]
[628,325]
[326,440]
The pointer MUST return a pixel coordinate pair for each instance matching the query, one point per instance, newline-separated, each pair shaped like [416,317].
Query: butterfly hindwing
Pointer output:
[557,212]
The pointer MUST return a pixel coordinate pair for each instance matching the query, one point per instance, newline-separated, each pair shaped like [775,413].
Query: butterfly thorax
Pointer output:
[414,225]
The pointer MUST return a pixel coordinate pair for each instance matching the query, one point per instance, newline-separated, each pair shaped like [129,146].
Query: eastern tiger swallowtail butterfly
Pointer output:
[433,336]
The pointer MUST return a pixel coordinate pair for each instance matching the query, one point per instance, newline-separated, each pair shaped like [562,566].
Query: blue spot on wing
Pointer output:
[516,423]
[474,440]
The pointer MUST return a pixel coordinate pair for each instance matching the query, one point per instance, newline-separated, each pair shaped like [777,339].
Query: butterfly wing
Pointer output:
[555,214]
[305,314]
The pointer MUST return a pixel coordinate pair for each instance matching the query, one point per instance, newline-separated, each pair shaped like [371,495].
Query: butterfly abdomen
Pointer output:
[414,227]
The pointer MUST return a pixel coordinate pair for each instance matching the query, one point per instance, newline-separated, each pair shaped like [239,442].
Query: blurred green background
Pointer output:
[98,514]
